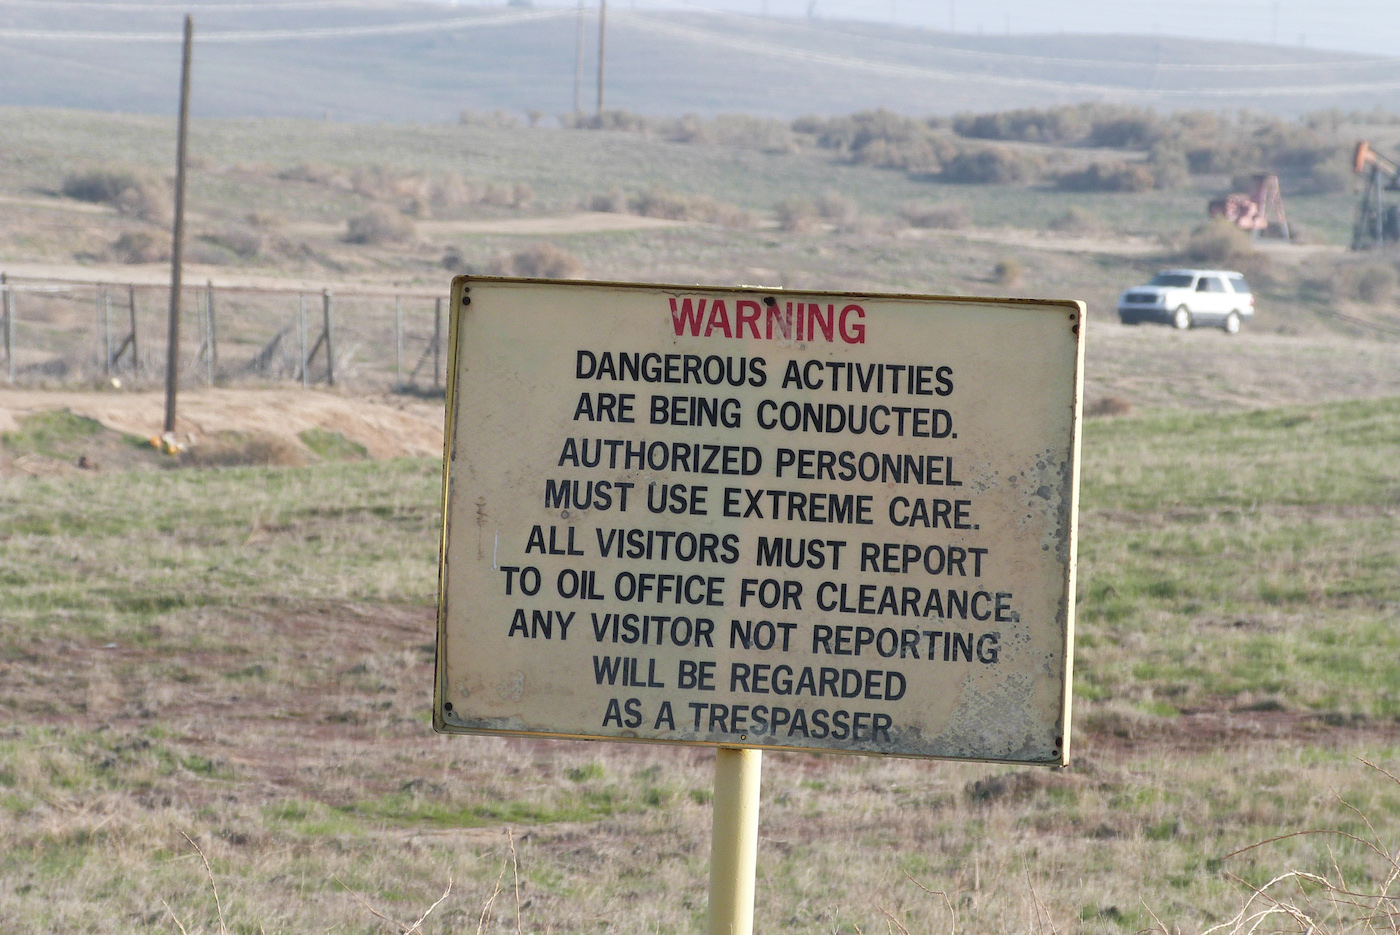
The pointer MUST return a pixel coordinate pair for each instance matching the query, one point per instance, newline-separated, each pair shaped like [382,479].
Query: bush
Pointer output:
[232,449]
[1055,125]
[1217,243]
[498,118]
[935,216]
[1133,130]
[538,261]
[318,173]
[1168,165]
[130,193]
[102,186]
[1107,177]
[1007,272]
[837,208]
[990,165]
[1073,221]
[1374,284]
[880,138]
[661,203]
[141,247]
[380,226]
[243,242]
[613,201]
[796,214]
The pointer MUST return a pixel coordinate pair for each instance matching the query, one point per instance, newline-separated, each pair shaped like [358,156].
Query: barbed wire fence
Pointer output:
[66,334]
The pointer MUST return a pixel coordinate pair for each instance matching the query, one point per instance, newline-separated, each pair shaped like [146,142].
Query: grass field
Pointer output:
[243,656]
[234,664]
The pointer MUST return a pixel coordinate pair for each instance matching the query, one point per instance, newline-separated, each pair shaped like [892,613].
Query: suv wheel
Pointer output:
[1181,318]
[1232,323]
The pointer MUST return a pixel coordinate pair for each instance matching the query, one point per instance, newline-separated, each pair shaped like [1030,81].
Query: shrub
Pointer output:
[1073,221]
[318,173]
[1134,130]
[379,226]
[497,118]
[837,208]
[1374,283]
[243,242]
[1107,177]
[103,186]
[149,201]
[658,202]
[537,261]
[1217,243]
[989,165]
[796,214]
[1168,165]
[612,201]
[880,138]
[141,247]
[1055,125]
[936,216]
[130,193]
[232,449]
[1007,272]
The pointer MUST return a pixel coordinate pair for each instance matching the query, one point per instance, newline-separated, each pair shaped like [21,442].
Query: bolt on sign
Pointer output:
[762,518]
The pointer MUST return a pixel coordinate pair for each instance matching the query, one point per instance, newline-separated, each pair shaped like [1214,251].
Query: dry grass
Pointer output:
[244,656]
[229,449]
[1108,406]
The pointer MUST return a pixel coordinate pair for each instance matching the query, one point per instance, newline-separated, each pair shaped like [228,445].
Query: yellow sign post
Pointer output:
[758,519]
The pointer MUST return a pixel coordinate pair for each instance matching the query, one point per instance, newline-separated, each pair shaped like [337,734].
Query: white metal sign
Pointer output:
[752,517]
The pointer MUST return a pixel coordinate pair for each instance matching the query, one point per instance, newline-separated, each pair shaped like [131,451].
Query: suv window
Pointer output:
[1173,280]
[1210,284]
[1238,284]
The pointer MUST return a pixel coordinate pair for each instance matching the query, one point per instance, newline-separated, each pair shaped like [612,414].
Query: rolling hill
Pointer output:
[427,62]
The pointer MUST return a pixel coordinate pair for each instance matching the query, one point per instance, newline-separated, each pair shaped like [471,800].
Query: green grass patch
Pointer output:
[329,445]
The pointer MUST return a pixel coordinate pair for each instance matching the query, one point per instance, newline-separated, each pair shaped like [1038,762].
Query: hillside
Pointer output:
[428,62]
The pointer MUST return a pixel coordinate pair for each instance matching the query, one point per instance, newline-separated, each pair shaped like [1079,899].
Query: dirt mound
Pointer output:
[386,427]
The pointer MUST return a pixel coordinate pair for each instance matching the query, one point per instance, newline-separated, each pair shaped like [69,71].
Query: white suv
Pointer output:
[1184,298]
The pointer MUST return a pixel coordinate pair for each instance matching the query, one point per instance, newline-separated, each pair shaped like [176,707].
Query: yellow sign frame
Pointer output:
[1029,329]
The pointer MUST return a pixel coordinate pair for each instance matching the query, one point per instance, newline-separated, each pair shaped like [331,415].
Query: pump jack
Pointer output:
[1376,222]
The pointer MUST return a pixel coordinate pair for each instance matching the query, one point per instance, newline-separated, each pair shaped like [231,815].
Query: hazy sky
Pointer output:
[1367,26]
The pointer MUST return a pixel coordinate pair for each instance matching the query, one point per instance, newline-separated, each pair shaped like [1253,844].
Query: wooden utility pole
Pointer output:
[602,33]
[172,345]
[578,62]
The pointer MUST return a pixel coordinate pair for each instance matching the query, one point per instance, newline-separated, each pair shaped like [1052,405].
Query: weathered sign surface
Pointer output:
[753,517]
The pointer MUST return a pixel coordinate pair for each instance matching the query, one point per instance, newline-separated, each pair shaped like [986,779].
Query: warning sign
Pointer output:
[752,517]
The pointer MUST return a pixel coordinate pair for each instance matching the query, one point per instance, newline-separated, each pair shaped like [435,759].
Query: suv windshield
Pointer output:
[1175,280]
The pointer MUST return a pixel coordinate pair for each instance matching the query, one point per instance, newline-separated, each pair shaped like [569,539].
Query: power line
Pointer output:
[278,35]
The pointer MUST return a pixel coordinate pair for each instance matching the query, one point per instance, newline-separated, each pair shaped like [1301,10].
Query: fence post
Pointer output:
[398,344]
[9,307]
[301,336]
[107,331]
[202,349]
[437,343]
[330,350]
[211,359]
[135,348]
